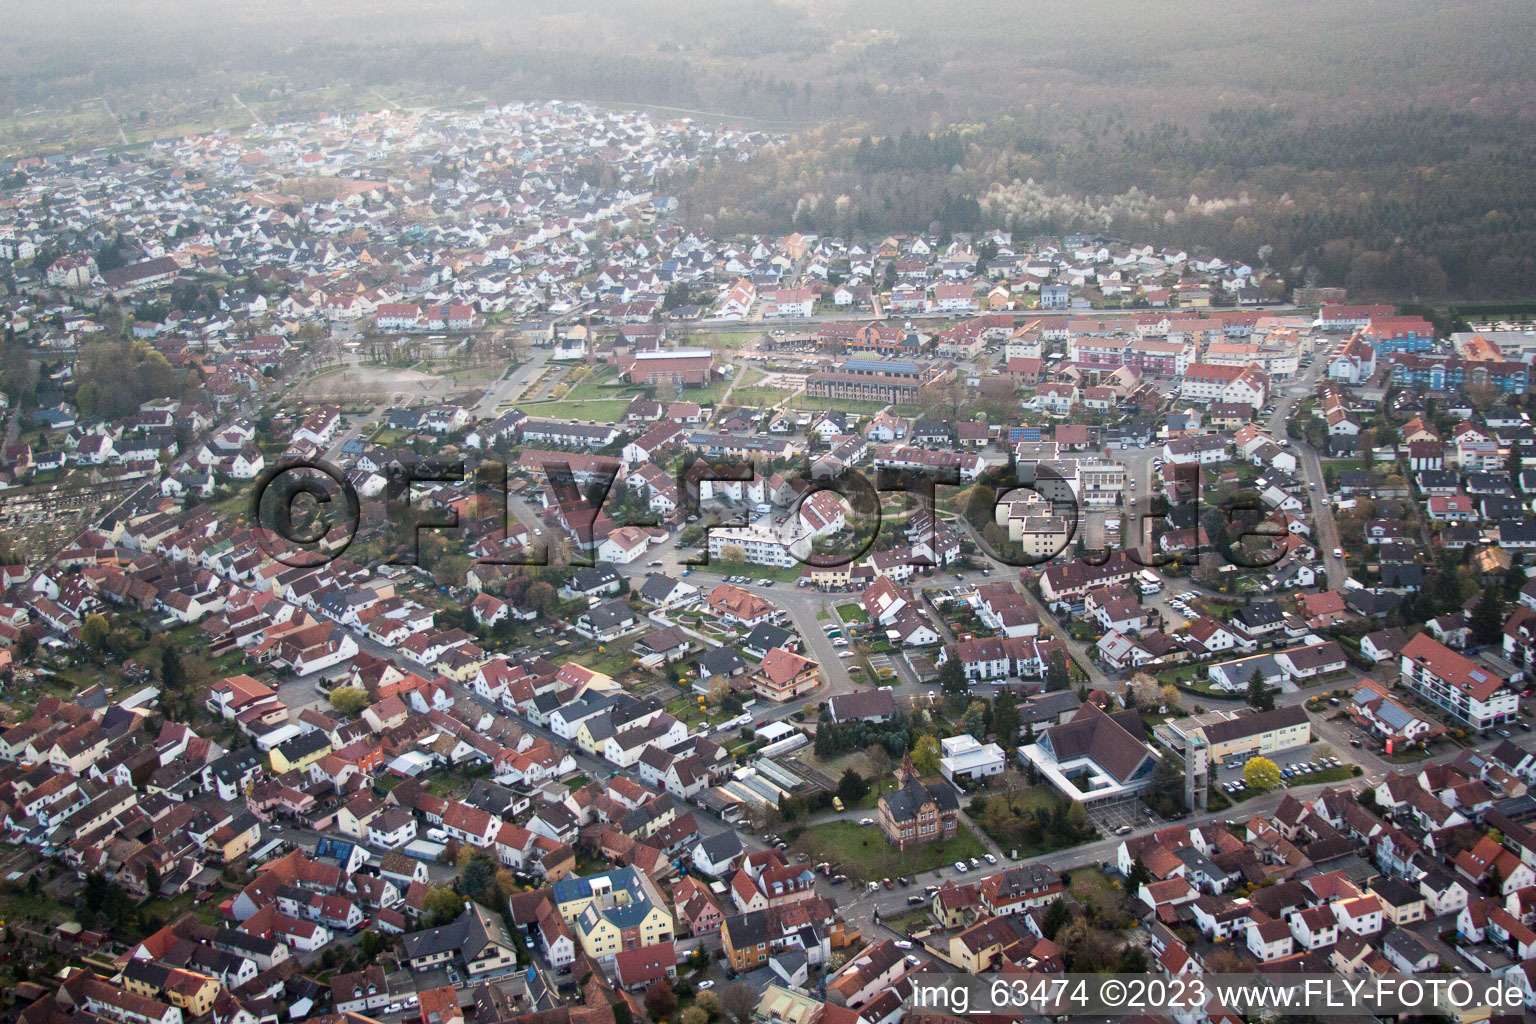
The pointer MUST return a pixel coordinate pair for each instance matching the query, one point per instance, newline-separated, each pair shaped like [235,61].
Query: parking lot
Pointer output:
[1301,762]
[1177,609]
[1112,819]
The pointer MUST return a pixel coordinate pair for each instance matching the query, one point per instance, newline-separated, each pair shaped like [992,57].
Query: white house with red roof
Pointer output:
[1469,691]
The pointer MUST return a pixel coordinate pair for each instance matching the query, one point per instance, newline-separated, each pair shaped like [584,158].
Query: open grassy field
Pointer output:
[758,398]
[600,383]
[864,853]
[603,411]
[782,574]
[1093,887]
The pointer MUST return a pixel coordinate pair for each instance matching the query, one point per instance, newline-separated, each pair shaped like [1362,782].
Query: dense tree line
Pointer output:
[1413,203]
[910,152]
[1229,136]
[113,378]
[832,739]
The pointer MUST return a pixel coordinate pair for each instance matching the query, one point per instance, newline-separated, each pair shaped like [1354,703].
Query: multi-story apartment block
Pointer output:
[1447,373]
[755,544]
[1468,692]
[876,380]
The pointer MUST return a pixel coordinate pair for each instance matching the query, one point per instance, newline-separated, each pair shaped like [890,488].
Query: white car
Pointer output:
[705,984]
[960,867]
[866,821]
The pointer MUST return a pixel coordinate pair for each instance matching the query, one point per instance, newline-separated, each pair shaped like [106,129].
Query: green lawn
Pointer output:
[686,710]
[864,854]
[389,437]
[757,398]
[1093,887]
[36,906]
[914,920]
[853,613]
[601,410]
[172,909]
[782,574]
[1344,465]
[710,395]
[599,384]
[857,408]
[1339,774]
[1192,678]
[612,659]
[717,340]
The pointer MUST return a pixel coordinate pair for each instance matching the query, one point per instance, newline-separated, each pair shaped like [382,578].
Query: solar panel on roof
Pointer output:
[880,365]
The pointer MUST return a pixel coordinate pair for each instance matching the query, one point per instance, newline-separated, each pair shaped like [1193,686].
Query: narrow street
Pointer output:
[1325,528]
[1076,650]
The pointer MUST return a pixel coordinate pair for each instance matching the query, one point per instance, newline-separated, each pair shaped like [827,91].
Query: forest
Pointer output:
[1413,204]
[1382,146]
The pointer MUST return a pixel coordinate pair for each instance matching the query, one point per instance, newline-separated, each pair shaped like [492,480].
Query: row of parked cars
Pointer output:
[962,867]
[1180,603]
[1322,764]
[742,581]
[1290,771]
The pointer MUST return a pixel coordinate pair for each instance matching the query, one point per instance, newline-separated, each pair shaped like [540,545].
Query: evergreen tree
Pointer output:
[952,678]
[852,787]
[1057,914]
[1005,717]
[172,673]
[1487,620]
[1057,676]
[1259,695]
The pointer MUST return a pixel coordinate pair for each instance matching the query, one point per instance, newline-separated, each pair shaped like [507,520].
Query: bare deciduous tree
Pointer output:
[738,1001]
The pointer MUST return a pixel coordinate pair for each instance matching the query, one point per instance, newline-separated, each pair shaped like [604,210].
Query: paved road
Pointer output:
[511,385]
[755,324]
[1076,650]
[1324,528]
[861,906]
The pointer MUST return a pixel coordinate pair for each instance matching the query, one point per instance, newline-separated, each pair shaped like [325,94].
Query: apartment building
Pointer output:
[1468,692]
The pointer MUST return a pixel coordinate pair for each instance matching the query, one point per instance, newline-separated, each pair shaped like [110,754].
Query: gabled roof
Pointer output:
[1116,743]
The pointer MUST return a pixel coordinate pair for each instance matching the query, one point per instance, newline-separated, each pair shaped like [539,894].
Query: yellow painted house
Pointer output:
[300,752]
[1261,734]
[584,738]
[189,991]
[459,665]
[236,839]
[613,912]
